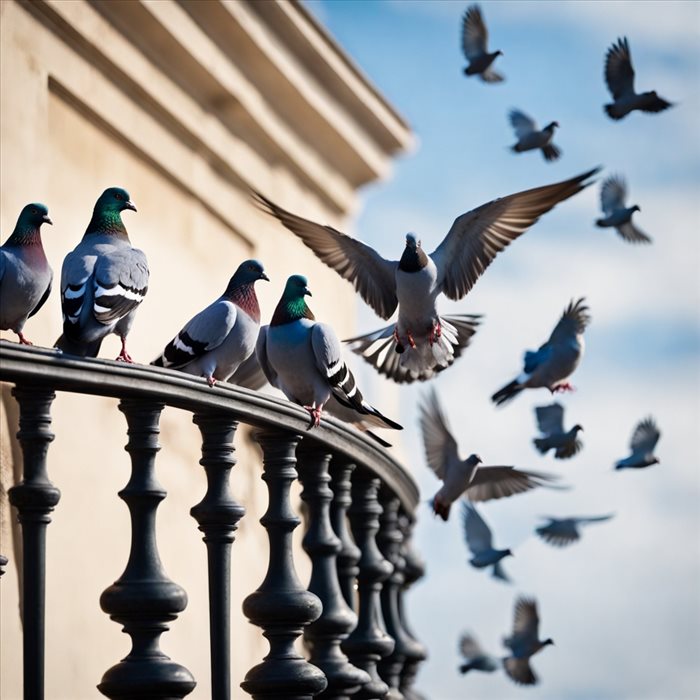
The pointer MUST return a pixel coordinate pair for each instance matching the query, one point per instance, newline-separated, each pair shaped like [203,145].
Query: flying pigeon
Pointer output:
[425,342]
[619,75]
[561,532]
[474,656]
[555,361]
[613,193]
[103,281]
[466,476]
[475,38]
[25,273]
[530,137]
[215,342]
[524,642]
[479,540]
[550,420]
[644,439]
[303,359]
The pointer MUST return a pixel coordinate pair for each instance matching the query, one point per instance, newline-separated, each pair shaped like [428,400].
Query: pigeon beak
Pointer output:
[46,219]
[307,292]
[263,276]
[130,205]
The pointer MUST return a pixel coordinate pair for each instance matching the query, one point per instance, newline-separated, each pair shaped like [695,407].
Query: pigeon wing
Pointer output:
[440,446]
[261,355]
[476,532]
[645,437]
[476,237]
[632,234]
[121,283]
[550,419]
[371,275]
[613,194]
[619,74]
[475,36]
[469,647]
[572,322]
[519,671]
[521,123]
[489,483]
[526,621]
[44,297]
[559,533]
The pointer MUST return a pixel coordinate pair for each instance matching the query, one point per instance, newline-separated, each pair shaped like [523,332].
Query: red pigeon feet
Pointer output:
[23,340]
[411,342]
[435,333]
[124,355]
[563,387]
[315,416]
[210,381]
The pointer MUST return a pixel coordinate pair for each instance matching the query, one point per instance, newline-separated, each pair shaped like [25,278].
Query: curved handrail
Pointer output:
[48,367]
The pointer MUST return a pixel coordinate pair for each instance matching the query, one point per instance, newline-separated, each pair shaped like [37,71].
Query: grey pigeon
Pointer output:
[475,39]
[550,420]
[218,339]
[425,342]
[466,476]
[475,658]
[613,193]
[554,361]
[644,439]
[303,359]
[25,273]
[524,642]
[480,542]
[619,75]
[103,281]
[531,138]
[561,532]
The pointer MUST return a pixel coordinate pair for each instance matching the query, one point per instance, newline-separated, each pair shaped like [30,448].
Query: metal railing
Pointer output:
[352,616]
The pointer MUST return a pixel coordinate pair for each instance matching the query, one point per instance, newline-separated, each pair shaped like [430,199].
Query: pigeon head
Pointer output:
[33,216]
[548,641]
[551,126]
[292,306]
[248,272]
[508,553]
[577,428]
[414,257]
[636,207]
[475,459]
[297,287]
[114,199]
[106,216]
[412,241]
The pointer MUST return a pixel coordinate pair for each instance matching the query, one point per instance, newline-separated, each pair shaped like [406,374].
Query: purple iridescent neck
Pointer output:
[246,298]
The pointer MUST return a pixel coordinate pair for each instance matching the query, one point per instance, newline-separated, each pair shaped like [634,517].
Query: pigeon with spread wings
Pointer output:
[550,420]
[480,542]
[644,439]
[561,532]
[475,39]
[421,342]
[613,194]
[530,137]
[475,658]
[466,476]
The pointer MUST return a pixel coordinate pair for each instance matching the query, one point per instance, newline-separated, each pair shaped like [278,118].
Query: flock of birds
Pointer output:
[105,279]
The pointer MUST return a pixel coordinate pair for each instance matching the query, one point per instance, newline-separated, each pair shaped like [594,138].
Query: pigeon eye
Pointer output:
[118,196]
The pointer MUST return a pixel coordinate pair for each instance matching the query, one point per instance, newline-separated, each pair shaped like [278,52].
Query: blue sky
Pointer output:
[623,605]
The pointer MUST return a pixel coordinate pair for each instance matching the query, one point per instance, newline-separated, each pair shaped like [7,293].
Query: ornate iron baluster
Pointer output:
[144,599]
[281,606]
[389,540]
[35,497]
[218,515]
[321,544]
[414,569]
[349,554]
[368,643]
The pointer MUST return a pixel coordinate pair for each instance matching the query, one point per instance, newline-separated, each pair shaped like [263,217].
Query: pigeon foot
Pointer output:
[23,340]
[411,342]
[314,415]
[435,333]
[124,355]
[560,388]
[210,381]
[399,347]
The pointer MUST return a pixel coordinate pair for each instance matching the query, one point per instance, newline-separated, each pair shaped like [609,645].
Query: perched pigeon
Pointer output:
[612,200]
[479,540]
[103,281]
[555,361]
[303,359]
[426,342]
[25,273]
[619,75]
[466,476]
[475,39]
[215,342]
[530,137]
[475,657]
[550,420]
[644,439]
[524,642]
[561,532]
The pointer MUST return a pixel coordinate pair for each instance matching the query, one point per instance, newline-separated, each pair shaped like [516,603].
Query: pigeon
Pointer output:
[103,281]
[555,361]
[25,273]
[474,656]
[475,39]
[619,75]
[215,342]
[530,137]
[425,342]
[561,532]
[550,420]
[612,200]
[524,642]
[479,540]
[642,444]
[466,476]
[303,359]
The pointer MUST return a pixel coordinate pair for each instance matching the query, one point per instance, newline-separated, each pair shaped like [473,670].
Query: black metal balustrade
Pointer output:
[352,616]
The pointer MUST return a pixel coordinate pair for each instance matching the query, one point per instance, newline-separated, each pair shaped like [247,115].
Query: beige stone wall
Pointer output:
[84,108]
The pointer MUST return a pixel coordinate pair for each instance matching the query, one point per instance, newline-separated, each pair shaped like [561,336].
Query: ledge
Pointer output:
[46,367]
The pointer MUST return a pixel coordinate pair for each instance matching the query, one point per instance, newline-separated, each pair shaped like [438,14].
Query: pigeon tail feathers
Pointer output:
[507,393]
